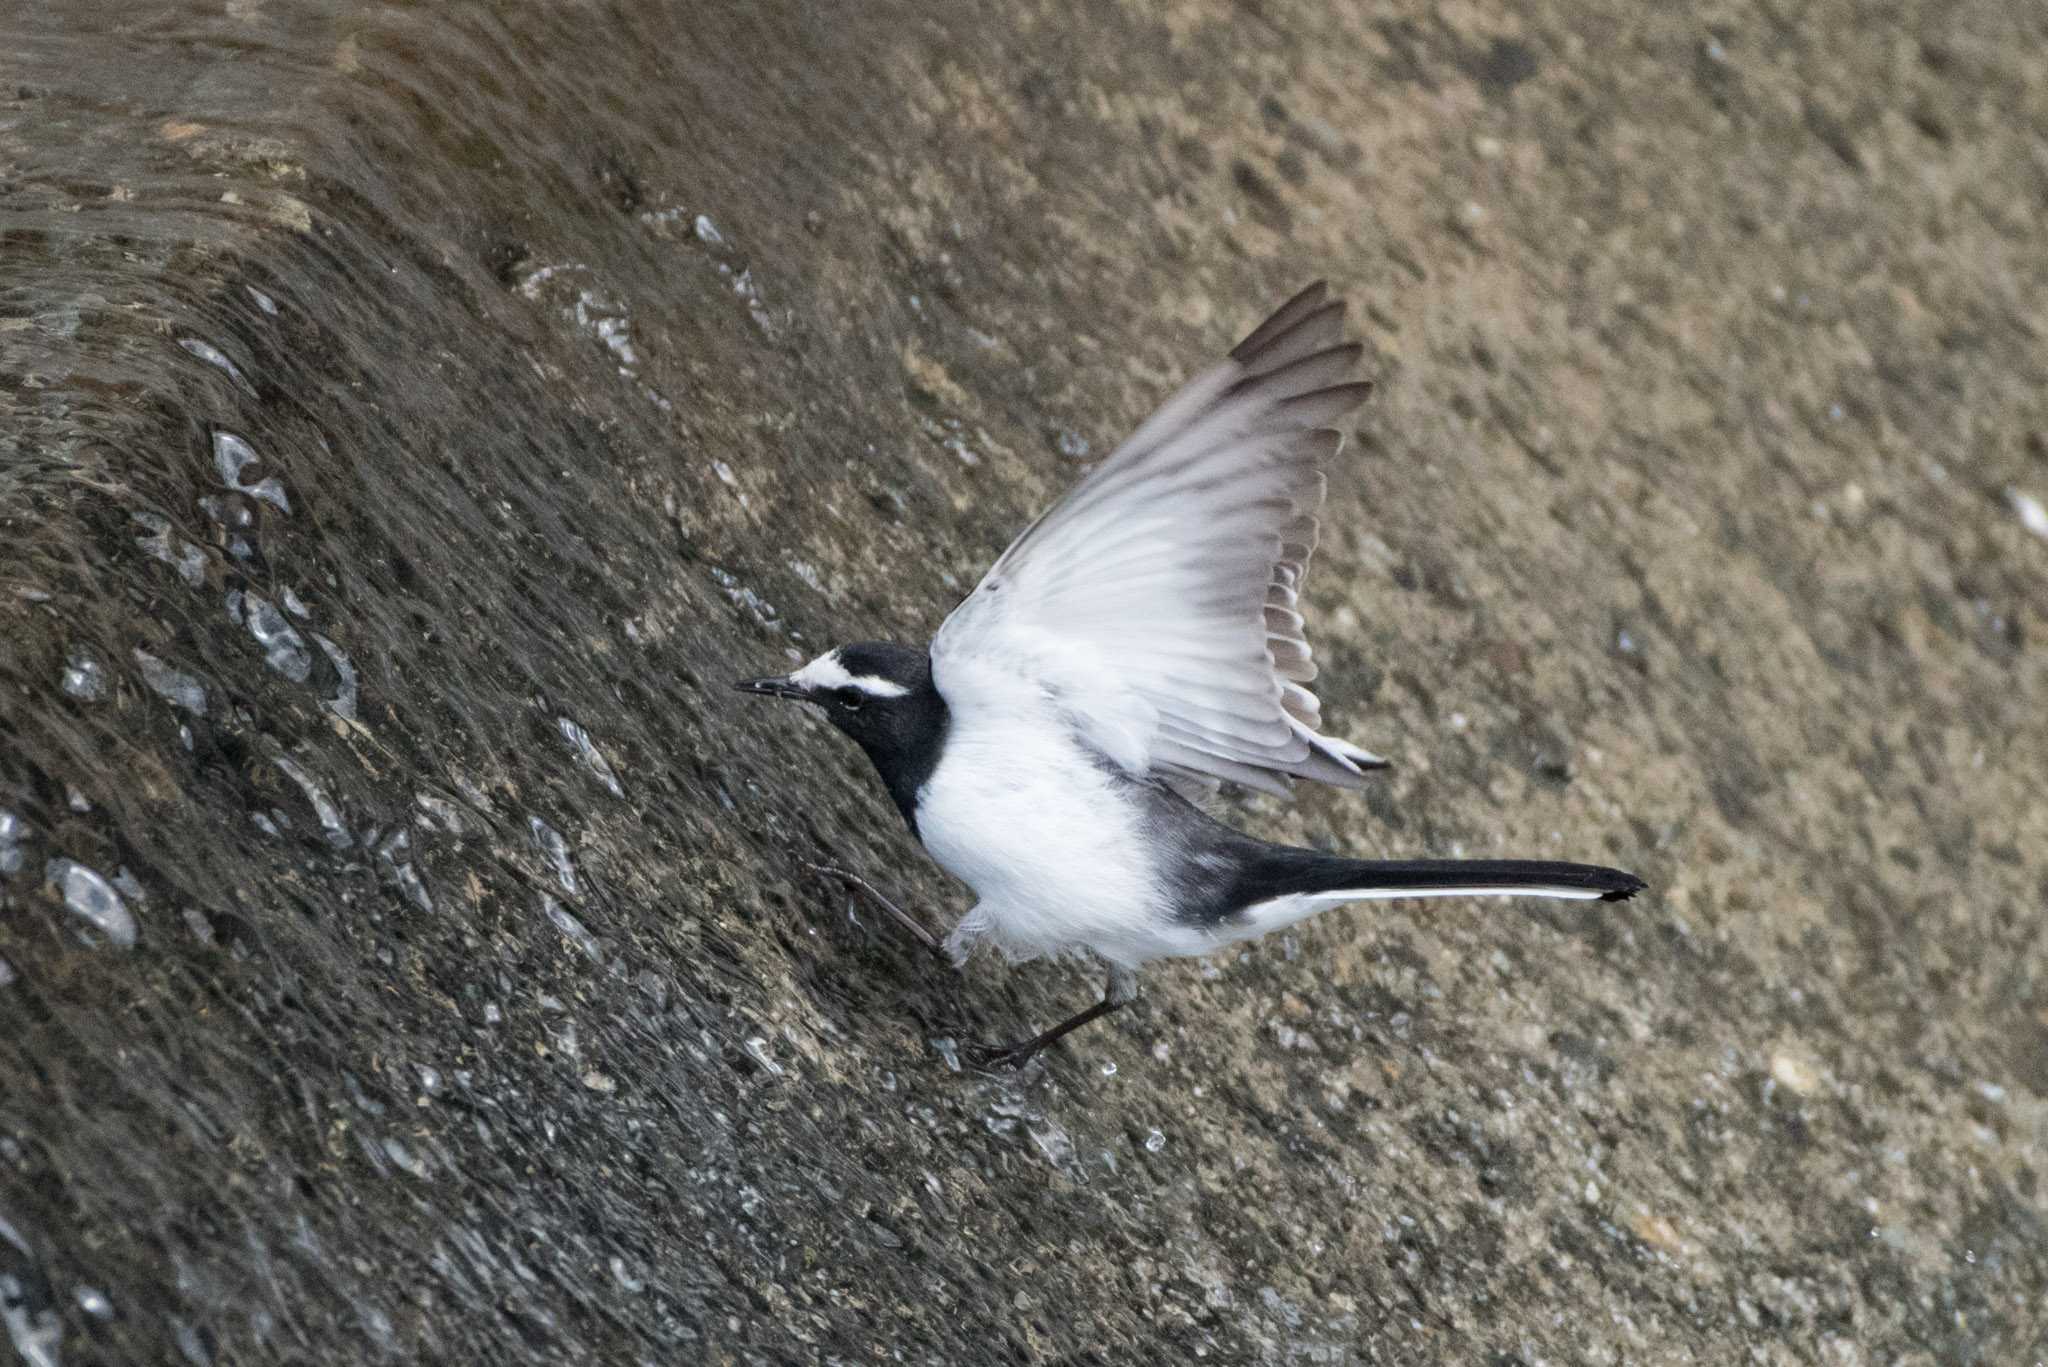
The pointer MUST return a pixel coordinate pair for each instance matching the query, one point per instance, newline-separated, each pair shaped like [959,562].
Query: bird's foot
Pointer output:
[896,913]
[989,1057]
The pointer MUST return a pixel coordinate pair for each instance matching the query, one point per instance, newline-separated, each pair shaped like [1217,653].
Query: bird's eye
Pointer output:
[849,698]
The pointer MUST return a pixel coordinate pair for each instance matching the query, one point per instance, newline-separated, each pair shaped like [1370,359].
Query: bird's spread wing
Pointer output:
[1157,602]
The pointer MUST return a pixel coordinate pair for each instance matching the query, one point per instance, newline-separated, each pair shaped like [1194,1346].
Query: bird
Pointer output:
[1140,644]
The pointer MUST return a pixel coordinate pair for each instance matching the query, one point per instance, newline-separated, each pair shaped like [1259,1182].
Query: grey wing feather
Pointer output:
[1160,599]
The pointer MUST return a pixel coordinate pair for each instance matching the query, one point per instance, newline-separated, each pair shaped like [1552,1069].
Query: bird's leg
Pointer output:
[901,917]
[1122,991]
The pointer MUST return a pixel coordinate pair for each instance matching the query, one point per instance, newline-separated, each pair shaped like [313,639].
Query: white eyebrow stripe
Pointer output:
[825,673]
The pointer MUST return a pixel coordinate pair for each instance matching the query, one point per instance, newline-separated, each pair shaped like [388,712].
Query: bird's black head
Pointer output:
[881,695]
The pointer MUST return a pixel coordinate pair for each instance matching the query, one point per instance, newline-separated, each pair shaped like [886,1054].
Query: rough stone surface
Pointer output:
[602,353]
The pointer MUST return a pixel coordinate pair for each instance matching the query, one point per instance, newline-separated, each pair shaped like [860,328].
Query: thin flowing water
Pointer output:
[412,415]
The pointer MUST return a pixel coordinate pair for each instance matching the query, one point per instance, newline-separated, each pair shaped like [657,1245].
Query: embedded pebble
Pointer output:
[84,679]
[231,513]
[181,555]
[549,842]
[763,611]
[94,898]
[214,356]
[572,929]
[343,703]
[440,812]
[395,853]
[232,455]
[174,686]
[405,1159]
[13,835]
[284,650]
[587,750]
[324,807]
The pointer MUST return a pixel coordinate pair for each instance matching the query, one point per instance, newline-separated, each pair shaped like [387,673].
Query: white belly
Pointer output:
[1049,841]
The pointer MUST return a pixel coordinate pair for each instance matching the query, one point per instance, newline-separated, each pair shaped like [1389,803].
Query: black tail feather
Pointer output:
[1286,871]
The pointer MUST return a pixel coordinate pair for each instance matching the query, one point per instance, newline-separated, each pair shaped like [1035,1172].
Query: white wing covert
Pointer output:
[1157,602]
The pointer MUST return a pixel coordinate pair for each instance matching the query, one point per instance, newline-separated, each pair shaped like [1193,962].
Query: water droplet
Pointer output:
[7,973]
[758,1050]
[1071,444]
[284,650]
[83,678]
[549,842]
[2033,516]
[587,750]
[949,1050]
[1109,1069]
[331,825]
[1155,1141]
[179,689]
[572,929]
[293,605]
[94,1302]
[75,800]
[263,301]
[93,897]
[232,456]
[628,1283]
[707,231]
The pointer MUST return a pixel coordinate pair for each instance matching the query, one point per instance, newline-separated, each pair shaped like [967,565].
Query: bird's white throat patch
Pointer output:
[826,673]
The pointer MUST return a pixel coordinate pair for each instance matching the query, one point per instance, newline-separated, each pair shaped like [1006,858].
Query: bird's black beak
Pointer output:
[777,687]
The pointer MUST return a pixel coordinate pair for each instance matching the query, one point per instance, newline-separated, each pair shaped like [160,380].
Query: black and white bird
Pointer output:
[1138,644]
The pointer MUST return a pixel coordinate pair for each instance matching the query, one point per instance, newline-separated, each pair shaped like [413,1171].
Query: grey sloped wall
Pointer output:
[353,1011]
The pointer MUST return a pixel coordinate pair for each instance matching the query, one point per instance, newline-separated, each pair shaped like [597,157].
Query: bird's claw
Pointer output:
[989,1057]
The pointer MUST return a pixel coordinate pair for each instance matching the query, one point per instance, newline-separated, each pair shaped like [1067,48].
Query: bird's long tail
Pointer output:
[1288,885]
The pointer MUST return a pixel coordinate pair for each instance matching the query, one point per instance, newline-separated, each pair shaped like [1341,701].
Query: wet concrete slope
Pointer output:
[410,417]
